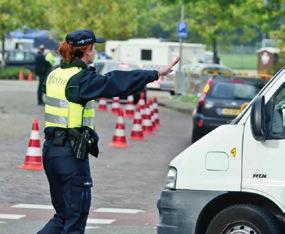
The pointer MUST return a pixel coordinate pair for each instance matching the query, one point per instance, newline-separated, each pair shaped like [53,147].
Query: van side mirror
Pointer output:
[257,119]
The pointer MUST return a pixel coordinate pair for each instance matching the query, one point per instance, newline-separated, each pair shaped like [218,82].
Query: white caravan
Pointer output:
[233,179]
[152,53]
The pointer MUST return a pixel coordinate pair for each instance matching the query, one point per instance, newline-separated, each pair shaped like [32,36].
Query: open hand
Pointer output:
[164,71]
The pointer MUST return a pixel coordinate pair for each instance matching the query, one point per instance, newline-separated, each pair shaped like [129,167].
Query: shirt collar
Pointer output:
[75,62]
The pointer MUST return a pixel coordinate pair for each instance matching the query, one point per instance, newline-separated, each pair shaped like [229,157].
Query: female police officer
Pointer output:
[69,120]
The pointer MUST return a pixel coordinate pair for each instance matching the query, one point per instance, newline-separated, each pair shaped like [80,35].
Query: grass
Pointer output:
[11,73]
[185,101]
[240,61]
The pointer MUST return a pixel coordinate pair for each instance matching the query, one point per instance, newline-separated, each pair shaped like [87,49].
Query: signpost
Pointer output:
[181,32]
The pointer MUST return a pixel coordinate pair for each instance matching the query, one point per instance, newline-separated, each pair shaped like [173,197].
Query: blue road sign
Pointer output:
[182,30]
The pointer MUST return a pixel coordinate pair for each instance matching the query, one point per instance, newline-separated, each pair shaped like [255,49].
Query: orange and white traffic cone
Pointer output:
[119,138]
[30,76]
[141,104]
[137,131]
[21,75]
[130,108]
[146,122]
[141,101]
[102,104]
[156,112]
[116,107]
[152,116]
[33,158]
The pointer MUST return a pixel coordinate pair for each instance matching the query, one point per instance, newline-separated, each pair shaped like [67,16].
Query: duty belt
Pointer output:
[66,133]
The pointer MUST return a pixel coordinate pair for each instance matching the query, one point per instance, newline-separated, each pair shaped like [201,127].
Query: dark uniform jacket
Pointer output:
[42,66]
[89,85]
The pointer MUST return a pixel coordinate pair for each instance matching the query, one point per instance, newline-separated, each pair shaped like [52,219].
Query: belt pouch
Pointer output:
[59,137]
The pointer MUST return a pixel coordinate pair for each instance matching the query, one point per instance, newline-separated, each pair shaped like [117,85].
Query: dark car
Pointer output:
[104,66]
[221,101]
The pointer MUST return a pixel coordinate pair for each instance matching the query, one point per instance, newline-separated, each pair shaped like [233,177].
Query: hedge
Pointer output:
[12,73]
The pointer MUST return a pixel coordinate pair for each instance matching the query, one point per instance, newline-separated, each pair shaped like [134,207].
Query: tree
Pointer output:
[111,19]
[7,22]
[14,14]
[222,21]
[156,19]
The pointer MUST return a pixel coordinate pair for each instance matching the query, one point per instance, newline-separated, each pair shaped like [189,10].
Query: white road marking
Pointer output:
[118,210]
[100,221]
[33,206]
[89,227]
[11,216]
[2,222]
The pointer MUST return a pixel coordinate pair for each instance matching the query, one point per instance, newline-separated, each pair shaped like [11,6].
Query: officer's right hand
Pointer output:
[164,71]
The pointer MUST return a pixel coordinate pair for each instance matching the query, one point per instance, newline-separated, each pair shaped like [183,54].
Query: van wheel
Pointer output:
[244,219]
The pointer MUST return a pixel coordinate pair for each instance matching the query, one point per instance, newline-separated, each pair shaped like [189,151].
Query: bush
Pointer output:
[12,73]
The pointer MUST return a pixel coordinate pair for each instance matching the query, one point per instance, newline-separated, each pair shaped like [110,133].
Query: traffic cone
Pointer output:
[119,138]
[30,76]
[33,158]
[137,131]
[141,101]
[146,121]
[156,112]
[141,104]
[21,75]
[102,104]
[130,108]
[152,116]
[116,106]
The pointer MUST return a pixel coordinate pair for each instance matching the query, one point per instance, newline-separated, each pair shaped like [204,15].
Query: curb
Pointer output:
[182,110]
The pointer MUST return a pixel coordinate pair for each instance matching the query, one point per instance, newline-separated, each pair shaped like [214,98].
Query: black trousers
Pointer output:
[70,189]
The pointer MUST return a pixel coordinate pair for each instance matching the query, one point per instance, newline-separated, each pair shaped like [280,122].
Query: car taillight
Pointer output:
[200,123]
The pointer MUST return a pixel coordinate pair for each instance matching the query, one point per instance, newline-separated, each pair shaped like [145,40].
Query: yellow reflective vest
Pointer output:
[50,58]
[59,112]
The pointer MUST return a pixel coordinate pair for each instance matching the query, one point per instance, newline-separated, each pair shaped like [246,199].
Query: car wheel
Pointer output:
[172,93]
[246,219]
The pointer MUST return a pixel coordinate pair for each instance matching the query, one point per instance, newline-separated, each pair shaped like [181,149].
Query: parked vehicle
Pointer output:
[232,180]
[20,58]
[104,66]
[153,53]
[221,100]
[196,75]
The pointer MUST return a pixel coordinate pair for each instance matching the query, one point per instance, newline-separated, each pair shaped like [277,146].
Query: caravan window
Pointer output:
[146,55]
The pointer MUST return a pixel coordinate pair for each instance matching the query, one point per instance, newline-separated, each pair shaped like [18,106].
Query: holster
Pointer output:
[79,144]
[84,141]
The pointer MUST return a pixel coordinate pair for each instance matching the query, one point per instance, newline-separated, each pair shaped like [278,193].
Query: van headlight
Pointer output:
[171,178]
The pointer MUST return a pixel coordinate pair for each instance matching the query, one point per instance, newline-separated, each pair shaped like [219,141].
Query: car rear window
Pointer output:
[228,90]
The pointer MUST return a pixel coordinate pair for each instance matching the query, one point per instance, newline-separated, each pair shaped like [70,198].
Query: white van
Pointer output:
[232,180]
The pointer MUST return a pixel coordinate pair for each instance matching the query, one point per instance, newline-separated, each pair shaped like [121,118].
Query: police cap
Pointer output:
[82,37]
